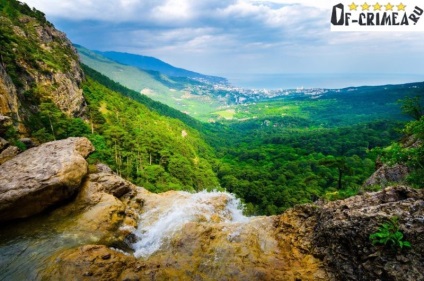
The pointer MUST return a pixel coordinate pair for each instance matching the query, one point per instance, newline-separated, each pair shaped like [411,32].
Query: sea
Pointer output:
[321,80]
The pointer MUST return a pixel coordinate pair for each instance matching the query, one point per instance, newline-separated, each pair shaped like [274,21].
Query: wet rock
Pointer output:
[386,175]
[207,247]
[242,251]
[41,177]
[326,241]
[105,208]
[87,263]
[8,154]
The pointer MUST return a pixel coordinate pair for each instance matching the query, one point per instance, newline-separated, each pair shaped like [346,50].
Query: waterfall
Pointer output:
[167,213]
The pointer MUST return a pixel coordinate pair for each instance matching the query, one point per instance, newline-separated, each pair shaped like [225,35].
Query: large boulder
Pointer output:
[387,175]
[105,211]
[42,176]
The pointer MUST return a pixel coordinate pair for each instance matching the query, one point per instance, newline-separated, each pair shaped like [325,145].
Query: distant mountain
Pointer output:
[151,63]
[188,95]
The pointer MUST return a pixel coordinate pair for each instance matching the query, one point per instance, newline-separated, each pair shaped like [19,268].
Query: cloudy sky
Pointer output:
[235,36]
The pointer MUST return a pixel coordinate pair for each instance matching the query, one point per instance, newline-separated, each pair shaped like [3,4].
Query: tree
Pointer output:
[341,165]
[412,106]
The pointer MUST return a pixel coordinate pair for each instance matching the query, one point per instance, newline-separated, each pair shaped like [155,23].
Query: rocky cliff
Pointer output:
[341,236]
[37,63]
[127,233]
[9,103]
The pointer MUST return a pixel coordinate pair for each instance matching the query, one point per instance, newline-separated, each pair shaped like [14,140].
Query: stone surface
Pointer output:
[103,168]
[207,248]
[8,154]
[253,250]
[110,183]
[341,237]
[94,216]
[41,177]
[107,207]
[95,262]
[386,175]
[3,144]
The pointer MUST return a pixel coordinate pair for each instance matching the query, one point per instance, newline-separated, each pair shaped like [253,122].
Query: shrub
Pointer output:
[389,234]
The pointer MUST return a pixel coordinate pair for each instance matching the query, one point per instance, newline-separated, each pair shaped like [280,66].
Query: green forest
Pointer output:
[271,163]
[279,153]
[284,168]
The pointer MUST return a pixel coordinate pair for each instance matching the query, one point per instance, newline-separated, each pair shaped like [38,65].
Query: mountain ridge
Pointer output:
[155,64]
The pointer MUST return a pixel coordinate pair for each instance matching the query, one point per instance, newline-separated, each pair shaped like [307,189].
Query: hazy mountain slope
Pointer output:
[128,76]
[179,93]
[153,105]
[151,63]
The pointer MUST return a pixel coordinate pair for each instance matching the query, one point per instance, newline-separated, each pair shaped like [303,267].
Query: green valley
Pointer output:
[280,151]
[273,148]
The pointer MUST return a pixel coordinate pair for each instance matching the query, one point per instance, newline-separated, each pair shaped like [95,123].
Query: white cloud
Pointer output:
[230,35]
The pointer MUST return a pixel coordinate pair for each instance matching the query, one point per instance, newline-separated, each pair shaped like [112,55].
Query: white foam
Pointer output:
[158,224]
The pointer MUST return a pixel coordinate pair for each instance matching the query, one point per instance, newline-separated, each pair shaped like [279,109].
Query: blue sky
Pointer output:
[235,36]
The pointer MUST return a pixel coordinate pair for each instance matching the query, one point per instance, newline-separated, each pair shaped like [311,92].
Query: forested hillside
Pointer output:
[272,164]
[154,151]
[153,105]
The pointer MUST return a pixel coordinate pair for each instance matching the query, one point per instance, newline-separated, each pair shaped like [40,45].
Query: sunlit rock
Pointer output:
[42,176]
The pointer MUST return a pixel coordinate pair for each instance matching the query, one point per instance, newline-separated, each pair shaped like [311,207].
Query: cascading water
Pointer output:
[166,215]
[26,247]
